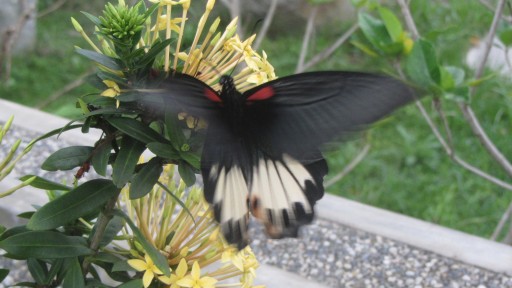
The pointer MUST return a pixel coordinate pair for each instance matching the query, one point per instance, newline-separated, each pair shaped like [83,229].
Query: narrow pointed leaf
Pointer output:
[113,227]
[45,245]
[135,129]
[74,277]
[137,283]
[145,180]
[187,174]
[126,161]
[100,159]
[78,202]
[45,184]
[174,130]
[106,61]
[3,274]
[192,158]
[155,255]
[166,151]
[67,158]
[37,270]
[52,133]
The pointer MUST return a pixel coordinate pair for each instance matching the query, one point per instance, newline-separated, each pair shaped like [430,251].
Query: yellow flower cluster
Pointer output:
[211,54]
[189,238]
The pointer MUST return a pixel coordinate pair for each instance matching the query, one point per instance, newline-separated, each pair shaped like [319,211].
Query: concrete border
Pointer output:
[450,243]
[431,237]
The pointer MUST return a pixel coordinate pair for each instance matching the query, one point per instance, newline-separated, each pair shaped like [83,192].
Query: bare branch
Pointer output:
[328,52]
[305,41]
[52,8]
[484,139]
[70,86]
[266,24]
[408,19]
[349,167]
[488,41]
[502,222]
[11,36]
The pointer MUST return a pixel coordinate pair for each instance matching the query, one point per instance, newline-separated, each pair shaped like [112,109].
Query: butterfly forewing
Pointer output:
[307,110]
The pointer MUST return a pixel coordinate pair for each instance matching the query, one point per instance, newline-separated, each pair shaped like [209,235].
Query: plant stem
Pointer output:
[101,225]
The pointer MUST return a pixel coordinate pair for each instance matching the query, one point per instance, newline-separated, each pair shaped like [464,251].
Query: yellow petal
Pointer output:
[186,282]
[165,279]
[147,278]
[196,271]
[182,268]
[207,282]
[109,93]
[138,265]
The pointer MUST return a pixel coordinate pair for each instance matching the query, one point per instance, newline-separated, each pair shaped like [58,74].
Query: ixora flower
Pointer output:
[189,238]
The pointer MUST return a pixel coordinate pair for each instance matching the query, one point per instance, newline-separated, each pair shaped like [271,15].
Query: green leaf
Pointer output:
[78,202]
[126,161]
[3,274]
[421,65]
[145,180]
[155,255]
[45,245]
[163,150]
[187,174]
[192,158]
[457,73]
[150,56]
[363,47]
[58,267]
[67,158]
[447,81]
[52,133]
[374,30]
[45,184]
[174,131]
[106,61]
[178,200]
[506,36]
[25,284]
[393,25]
[122,266]
[137,283]
[113,227]
[13,231]
[74,277]
[135,129]
[100,158]
[93,18]
[38,270]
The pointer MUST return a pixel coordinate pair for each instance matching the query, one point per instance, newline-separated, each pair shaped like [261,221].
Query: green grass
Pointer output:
[406,169]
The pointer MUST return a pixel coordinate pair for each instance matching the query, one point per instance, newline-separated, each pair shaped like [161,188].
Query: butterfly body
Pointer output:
[262,149]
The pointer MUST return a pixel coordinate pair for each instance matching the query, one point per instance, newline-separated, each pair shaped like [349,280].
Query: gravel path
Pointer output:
[327,252]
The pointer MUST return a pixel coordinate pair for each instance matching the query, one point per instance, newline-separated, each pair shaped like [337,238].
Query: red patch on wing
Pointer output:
[211,95]
[262,94]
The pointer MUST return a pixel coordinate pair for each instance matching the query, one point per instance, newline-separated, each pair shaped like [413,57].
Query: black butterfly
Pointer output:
[261,154]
